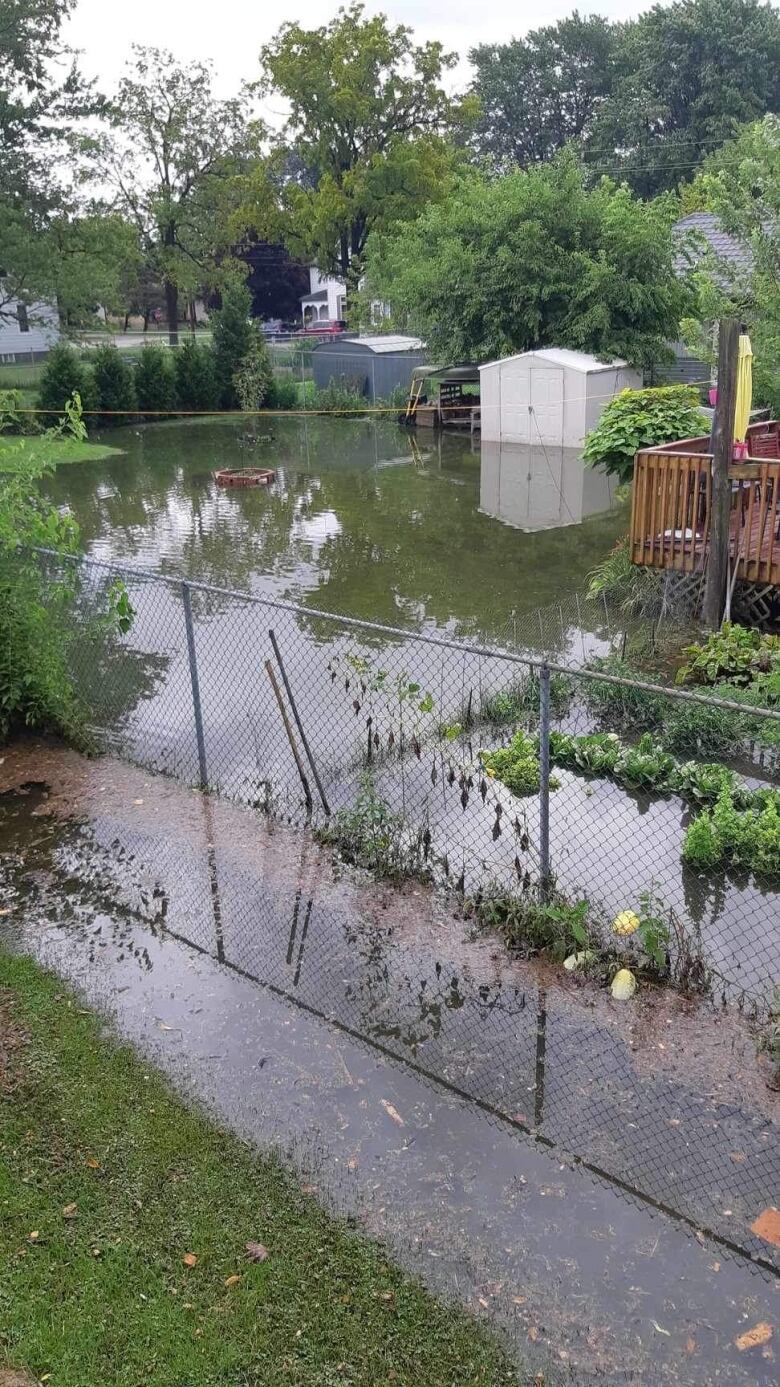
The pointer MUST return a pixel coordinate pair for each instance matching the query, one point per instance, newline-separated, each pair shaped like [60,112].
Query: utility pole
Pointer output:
[722,449]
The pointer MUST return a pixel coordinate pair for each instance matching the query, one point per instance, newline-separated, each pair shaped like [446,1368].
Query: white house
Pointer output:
[27,334]
[326,298]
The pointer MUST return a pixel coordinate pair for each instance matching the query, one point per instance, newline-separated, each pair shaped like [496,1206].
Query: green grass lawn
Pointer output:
[109,1186]
[57,450]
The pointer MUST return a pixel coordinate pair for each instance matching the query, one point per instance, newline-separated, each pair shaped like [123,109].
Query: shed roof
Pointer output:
[563,357]
[391,342]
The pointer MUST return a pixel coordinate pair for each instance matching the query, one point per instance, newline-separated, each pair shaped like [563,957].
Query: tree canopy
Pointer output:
[535,259]
[364,142]
[646,100]
[172,151]
[539,92]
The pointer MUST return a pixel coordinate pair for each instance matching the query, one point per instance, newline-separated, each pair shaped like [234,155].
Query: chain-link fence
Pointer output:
[499,774]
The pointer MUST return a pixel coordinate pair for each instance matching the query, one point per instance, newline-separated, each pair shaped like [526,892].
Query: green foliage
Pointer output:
[367,113]
[64,375]
[282,393]
[742,839]
[196,382]
[522,700]
[639,419]
[737,654]
[339,399]
[693,727]
[155,380]
[169,159]
[369,834]
[517,765]
[114,385]
[530,925]
[253,379]
[534,259]
[633,588]
[35,687]
[638,96]
[621,705]
[538,93]
[233,338]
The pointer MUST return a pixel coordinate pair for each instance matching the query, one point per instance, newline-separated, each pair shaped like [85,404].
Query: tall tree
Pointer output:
[42,99]
[365,131]
[688,75]
[538,93]
[171,158]
[534,259]
[276,281]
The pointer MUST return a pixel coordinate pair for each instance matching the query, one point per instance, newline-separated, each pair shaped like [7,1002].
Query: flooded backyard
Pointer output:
[365,518]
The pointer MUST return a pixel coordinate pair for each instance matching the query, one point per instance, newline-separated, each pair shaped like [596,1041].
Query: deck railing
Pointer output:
[671,507]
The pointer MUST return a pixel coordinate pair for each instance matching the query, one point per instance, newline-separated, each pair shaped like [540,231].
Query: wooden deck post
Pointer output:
[722,448]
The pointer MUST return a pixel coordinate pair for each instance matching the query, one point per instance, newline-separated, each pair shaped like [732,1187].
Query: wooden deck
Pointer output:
[670,514]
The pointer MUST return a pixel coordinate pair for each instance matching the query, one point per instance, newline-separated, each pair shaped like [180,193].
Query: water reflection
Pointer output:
[541,488]
[365,518]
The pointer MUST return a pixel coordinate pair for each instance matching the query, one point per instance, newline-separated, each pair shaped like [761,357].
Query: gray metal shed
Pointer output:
[373,366]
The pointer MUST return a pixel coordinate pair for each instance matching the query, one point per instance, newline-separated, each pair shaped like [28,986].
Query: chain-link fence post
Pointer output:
[188,622]
[544,778]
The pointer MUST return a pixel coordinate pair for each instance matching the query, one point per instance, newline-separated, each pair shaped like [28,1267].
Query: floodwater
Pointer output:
[365,518]
[582,1173]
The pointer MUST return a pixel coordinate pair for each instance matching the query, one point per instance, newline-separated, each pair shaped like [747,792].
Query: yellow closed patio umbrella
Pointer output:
[744,388]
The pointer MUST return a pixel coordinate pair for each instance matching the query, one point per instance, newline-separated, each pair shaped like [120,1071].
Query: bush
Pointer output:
[283,393]
[638,419]
[253,378]
[340,399]
[196,382]
[735,653]
[620,705]
[114,384]
[35,686]
[233,337]
[369,834]
[155,380]
[630,587]
[65,373]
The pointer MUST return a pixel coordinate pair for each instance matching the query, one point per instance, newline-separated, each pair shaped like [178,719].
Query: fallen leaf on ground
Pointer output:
[256,1252]
[533,1334]
[660,1328]
[6,910]
[392,1112]
[232,1280]
[33,1237]
[92,1163]
[189,1259]
[690,1345]
[518,1299]
[759,1334]
[767,1226]
[70,1211]
[137,801]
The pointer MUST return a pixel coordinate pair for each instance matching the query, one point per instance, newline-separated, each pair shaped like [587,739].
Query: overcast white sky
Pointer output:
[231,32]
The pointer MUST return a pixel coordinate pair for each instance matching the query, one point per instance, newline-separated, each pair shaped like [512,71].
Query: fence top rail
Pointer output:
[421,637]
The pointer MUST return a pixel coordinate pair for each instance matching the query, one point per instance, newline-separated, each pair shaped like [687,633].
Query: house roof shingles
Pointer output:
[725,246]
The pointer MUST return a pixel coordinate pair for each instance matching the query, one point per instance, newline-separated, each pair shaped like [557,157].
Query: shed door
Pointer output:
[531,406]
[545,417]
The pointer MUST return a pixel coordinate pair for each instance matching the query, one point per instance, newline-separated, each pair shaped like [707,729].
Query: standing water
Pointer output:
[365,518]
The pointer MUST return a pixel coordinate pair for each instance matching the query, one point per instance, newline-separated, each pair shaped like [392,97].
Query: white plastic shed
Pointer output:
[548,397]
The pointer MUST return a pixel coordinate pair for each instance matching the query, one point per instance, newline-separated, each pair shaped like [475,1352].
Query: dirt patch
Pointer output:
[16,1377]
[12,1042]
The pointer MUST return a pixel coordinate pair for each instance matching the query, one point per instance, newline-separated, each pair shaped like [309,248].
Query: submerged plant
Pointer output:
[516,765]
[372,835]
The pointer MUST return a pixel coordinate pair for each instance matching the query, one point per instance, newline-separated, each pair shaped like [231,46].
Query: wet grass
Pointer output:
[52,450]
[108,1182]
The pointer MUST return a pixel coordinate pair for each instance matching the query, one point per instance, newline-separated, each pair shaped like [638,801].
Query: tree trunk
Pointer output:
[722,449]
[172,309]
